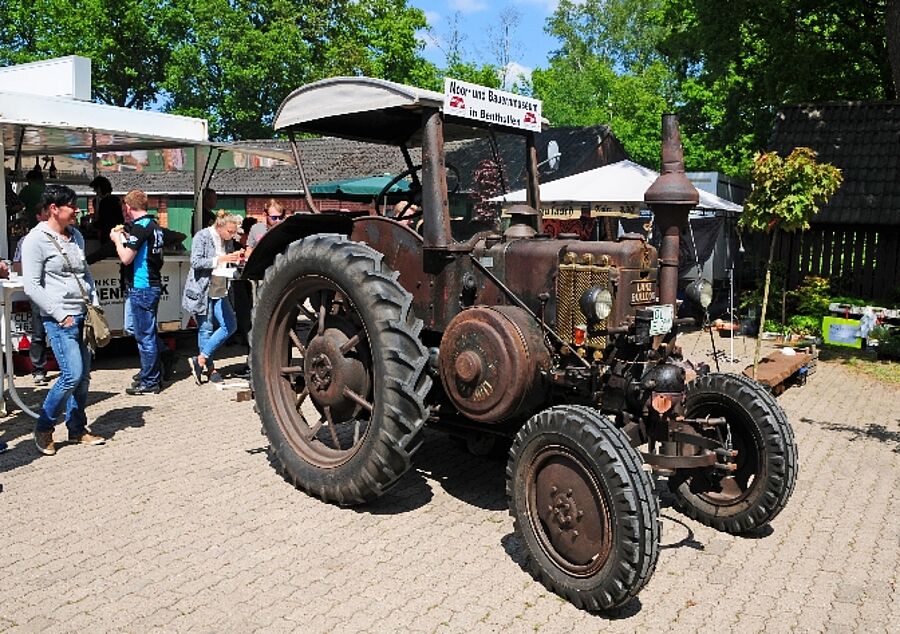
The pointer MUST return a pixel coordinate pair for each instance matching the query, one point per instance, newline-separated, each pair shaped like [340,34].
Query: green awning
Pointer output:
[369,186]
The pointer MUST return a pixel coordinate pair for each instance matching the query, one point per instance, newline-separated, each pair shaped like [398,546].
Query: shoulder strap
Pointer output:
[71,270]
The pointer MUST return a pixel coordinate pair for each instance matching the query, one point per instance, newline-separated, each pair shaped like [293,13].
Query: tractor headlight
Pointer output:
[700,291]
[596,303]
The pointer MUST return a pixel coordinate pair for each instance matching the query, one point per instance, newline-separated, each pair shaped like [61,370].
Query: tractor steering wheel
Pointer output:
[415,197]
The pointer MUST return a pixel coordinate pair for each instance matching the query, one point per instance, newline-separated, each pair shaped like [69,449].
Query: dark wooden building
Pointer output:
[855,239]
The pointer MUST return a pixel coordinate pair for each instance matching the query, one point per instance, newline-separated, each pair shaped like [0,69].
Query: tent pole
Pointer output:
[4,246]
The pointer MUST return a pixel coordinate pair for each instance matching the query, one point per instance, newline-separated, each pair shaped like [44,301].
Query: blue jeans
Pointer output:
[38,349]
[215,327]
[127,318]
[143,304]
[71,388]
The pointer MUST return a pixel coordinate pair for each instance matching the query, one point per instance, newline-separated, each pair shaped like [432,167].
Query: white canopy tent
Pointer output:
[617,188]
[34,125]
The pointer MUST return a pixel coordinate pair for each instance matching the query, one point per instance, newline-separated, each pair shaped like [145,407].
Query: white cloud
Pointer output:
[548,5]
[515,72]
[467,6]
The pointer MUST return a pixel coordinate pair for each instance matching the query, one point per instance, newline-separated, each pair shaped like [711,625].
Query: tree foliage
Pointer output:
[489,181]
[230,61]
[787,192]
[241,59]
[724,68]
[608,70]
[737,67]
[129,42]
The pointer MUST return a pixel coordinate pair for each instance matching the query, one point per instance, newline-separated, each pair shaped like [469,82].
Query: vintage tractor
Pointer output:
[365,331]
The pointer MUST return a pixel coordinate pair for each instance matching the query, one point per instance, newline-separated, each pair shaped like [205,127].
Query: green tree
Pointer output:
[129,42]
[241,59]
[608,70]
[230,61]
[738,62]
[786,194]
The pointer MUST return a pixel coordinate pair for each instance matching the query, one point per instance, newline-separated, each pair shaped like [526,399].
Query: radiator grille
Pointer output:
[577,274]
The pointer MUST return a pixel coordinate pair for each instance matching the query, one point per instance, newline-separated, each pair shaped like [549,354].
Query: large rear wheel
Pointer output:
[338,370]
[766,460]
[584,507]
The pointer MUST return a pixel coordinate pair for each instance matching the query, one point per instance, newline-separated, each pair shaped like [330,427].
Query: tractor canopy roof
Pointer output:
[372,110]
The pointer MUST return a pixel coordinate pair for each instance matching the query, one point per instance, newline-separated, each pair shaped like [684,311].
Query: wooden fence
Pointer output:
[861,261]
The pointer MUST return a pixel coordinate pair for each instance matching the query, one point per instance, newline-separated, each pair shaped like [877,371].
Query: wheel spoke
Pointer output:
[297,342]
[350,344]
[322,313]
[356,398]
[355,432]
[292,369]
[331,429]
[336,303]
[300,398]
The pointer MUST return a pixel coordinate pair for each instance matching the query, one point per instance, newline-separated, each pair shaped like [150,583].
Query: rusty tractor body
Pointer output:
[365,331]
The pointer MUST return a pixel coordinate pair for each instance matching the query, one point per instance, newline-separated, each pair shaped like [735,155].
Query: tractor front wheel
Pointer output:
[583,506]
[756,426]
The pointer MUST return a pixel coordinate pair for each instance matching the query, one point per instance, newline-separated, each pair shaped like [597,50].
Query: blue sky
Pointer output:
[479,20]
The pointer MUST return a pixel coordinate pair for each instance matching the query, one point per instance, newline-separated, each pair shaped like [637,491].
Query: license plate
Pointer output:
[661,322]
[643,292]
[20,323]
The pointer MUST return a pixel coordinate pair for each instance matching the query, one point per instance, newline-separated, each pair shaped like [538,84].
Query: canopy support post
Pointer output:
[306,193]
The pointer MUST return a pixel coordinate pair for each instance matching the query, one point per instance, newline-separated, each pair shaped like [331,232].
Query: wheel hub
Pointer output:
[564,511]
[569,511]
[320,373]
[331,373]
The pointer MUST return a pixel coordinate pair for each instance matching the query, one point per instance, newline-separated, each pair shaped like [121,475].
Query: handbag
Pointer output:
[96,332]
[218,286]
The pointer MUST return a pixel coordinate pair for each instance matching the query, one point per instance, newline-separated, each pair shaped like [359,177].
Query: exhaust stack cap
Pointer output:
[672,187]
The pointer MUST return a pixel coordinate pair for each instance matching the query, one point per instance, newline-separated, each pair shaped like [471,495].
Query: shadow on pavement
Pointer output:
[22,426]
[473,480]
[513,547]
[871,431]
[479,481]
[688,541]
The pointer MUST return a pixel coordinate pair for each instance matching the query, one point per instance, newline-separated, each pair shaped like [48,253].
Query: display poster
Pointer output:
[837,331]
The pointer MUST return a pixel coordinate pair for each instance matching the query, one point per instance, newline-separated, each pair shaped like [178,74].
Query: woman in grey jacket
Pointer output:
[213,250]
[55,272]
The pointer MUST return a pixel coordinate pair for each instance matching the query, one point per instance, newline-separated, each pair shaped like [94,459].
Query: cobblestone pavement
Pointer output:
[179,523]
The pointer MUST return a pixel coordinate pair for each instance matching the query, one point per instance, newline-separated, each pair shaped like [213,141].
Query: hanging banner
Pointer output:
[481,103]
[575,210]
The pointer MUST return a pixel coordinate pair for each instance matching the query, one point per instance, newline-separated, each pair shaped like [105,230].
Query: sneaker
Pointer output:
[44,442]
[136,390]
[40,378]
[87,438]
[243,373]
[3,446]
[196,369]
[135,377]
[215,377]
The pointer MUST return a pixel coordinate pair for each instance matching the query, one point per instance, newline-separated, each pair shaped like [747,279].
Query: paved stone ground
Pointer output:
[179,523]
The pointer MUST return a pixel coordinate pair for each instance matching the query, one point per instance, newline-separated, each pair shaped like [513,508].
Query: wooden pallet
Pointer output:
[778,371]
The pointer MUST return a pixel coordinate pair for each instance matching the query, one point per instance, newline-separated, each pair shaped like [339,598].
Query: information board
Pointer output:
[489,105]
